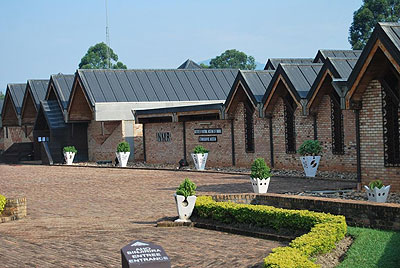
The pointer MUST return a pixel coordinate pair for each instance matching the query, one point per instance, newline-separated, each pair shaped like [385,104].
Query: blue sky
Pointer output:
[39,38]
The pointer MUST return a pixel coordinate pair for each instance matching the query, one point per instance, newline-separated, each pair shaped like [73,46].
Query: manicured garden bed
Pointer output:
[372,248]
[323,230]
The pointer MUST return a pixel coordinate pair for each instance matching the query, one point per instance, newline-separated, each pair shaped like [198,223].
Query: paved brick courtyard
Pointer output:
[81,217]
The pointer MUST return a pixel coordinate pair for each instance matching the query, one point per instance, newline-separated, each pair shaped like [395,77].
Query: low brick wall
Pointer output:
[14,209]
[357,213]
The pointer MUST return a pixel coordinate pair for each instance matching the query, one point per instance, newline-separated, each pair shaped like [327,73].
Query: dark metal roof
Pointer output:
[340,68]
[257,82]
[17,92]
[156,85]
[389,34]
[273,63]
[322,54]
[53,114]
[189,64]
[38,89]
[192,108]
[299,78]
[63,86]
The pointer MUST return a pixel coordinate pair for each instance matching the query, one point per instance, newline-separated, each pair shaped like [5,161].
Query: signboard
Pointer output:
[144,255]
[208,139]
[163,136]
[202,131]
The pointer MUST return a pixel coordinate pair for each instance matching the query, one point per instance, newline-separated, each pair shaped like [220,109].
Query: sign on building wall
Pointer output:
[202,131]
[208,139]
[163,136]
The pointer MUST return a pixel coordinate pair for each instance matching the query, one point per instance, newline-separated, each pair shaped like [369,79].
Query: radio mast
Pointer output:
[108,39]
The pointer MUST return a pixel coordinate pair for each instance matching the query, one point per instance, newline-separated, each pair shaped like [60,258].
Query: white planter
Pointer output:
[184,207]
[378,195]
[260,186]
[122,158]
[310,165]
[69,157]
[200,160]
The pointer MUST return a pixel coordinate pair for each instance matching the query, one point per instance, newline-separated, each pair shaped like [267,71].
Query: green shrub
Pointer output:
[123,147]
[70,149]
[286,257]
[310,148]
[259,169]
[200,150]
[376,183]
[324,229]
[186,188]
[3,202]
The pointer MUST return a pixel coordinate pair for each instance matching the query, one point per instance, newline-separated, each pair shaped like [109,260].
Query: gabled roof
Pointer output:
[52,113]
[63,87]
[105,86]
[273,63]
[37,89]
[386,36]
[298,77]
[17,92]
[322,54]
[254,83]
[189,64]
[338,68]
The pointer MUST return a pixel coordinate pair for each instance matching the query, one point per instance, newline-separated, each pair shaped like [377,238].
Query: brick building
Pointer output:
[106,100]
[374,93]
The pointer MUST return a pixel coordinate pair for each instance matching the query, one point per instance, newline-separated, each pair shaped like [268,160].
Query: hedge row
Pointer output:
[324,229]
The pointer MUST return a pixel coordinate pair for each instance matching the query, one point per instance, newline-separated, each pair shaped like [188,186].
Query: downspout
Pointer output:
[271,141]
[233,142]
[358,146]
[315,127]
[144,142]
[184,141]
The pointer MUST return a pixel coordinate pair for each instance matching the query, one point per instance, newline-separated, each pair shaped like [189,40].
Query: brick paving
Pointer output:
[81,217]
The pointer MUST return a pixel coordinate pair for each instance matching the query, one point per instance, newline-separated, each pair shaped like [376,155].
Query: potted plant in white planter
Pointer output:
[377,192]
[123,152]
[69,154]
[260,176]
[199,156]
[185,200]
[310,151]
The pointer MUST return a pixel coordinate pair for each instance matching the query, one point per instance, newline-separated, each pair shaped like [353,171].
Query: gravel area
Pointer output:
[346,194]
[244,171]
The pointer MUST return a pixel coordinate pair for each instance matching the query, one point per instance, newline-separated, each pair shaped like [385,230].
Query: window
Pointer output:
[290,133]
[337,125]
[249,128]
[391,111]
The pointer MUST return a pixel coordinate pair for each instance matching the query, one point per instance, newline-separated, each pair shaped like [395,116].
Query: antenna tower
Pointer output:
[108,39]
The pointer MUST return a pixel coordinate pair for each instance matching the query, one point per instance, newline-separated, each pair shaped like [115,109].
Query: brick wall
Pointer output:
[103,145]
[164,152]
[357,213]
[17,135]
[221,151]
[303,129]
[371,136]
[14,209]
[261,138]
[138,142]
[329,161]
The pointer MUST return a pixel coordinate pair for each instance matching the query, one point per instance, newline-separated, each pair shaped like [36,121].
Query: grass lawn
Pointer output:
[373,248]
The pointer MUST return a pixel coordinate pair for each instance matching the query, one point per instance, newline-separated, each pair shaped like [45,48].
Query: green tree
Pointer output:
[368,15]
[204,66]
[1,96]
[96,58]
[234,59]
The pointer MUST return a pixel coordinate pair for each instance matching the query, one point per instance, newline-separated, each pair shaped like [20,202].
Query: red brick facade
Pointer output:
[371,136]
[16,135]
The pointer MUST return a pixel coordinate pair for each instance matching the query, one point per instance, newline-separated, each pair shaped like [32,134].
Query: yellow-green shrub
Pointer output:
[287,257]
[324,229]
[3,202]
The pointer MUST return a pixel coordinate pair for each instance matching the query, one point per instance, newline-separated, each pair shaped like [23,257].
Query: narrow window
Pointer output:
[249,128]
[337,125]
[6,132]
[391,111]
[290,132]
